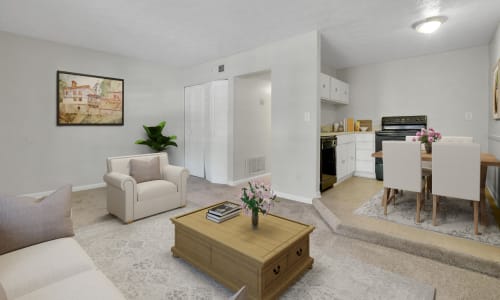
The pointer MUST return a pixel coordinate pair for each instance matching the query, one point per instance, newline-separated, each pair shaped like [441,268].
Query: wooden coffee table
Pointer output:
[267,259]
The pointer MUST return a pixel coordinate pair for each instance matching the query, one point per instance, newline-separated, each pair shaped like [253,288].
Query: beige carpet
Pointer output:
[137,257]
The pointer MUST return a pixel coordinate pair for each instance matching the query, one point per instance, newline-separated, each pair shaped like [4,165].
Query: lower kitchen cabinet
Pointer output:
[365,163]
[354,155]
[346,155]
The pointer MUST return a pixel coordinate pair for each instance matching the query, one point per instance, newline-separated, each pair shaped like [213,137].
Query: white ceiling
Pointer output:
[188,32]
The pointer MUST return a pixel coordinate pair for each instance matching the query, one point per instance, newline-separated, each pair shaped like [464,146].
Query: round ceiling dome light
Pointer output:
[429,25]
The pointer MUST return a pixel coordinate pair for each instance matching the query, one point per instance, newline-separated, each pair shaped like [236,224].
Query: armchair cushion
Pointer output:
[145,170]
[27,221]
[154,189]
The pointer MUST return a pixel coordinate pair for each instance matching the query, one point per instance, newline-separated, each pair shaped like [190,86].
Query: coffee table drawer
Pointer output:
[274,270]
[298,251]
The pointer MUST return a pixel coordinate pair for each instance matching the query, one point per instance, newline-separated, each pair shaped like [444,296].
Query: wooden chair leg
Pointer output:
[384,199]
[419,203]
[434,209]
[476,217]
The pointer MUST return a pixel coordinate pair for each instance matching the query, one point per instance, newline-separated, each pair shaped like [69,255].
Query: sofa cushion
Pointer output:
[143,170]
[27,221]
[155,189]
[3,296]
[31,268]
[83,286]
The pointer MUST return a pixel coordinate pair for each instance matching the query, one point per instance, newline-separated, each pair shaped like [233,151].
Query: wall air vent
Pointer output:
[256,165]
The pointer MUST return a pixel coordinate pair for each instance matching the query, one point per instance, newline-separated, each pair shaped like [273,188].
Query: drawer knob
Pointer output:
[276,270]
[299,252]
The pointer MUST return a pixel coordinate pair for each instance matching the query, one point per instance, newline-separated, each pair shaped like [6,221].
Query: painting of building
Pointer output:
[89,99]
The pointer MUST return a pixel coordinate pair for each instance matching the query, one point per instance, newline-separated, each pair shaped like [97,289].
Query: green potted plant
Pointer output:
[156,140]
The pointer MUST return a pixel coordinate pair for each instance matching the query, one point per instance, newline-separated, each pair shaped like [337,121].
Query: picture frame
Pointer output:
[496,91]
[84,99]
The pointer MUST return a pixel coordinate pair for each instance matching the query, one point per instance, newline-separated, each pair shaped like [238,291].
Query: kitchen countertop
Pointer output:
[343,132]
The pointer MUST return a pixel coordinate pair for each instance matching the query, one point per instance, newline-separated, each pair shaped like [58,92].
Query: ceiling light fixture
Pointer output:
[429,25]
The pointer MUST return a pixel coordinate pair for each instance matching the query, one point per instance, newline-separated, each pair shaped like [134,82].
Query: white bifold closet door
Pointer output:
[207,133]
[195,132]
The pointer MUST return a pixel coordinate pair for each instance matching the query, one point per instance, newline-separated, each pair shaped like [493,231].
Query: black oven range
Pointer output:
[396,128]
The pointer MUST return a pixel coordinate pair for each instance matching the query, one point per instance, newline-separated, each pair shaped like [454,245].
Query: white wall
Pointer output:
[252,132]
[36,155]
[328,113]
[442,86]
[494,125]
[294,65]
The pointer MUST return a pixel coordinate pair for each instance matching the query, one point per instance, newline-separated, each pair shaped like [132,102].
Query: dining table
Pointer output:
[487,160]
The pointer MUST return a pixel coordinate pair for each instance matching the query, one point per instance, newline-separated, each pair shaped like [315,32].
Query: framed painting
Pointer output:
[89,99]
[496,91]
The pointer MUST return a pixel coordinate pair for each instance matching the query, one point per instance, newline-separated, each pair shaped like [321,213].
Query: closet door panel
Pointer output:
[216,162]
[195,130]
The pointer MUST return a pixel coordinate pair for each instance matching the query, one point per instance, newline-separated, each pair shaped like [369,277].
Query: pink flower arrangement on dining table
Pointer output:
[258,196]
[427,136]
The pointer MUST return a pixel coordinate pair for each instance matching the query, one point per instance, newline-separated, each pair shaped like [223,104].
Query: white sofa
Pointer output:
[55,270]
[129,200]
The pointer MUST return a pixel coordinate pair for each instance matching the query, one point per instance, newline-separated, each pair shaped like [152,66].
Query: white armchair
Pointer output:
[129,200]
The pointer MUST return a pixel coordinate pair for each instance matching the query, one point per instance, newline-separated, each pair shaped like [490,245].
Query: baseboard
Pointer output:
[245,180]
[74,189]
[294,197]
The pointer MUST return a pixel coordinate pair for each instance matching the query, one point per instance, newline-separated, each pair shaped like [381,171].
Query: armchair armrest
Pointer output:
[118,180]
[177,175]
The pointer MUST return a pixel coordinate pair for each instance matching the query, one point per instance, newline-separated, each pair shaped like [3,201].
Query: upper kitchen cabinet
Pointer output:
[324,81]
[339,91]
[334,90]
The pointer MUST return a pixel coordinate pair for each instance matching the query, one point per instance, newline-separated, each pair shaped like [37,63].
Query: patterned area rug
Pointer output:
[137,259]
[455,216]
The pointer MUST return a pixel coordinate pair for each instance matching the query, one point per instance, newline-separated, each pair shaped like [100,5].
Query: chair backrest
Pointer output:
[402,165]
[456,170]
[425,164]
[456,139]
[121,164]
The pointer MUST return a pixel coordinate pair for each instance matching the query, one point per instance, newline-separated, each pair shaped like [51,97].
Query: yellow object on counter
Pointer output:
[350,125]
[356,127]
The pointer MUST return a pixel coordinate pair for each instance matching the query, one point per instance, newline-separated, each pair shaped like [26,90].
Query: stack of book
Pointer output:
[223,212]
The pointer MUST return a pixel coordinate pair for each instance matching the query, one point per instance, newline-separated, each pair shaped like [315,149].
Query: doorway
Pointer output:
[252,126]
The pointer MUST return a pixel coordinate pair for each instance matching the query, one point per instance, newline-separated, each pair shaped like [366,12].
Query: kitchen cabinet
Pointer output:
[324,82]
[365,163]
[346,155]
[332,89]
[339,91]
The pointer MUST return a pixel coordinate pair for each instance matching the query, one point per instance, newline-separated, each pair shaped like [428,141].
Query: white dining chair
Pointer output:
[456,174]
[426,167]
[402,171]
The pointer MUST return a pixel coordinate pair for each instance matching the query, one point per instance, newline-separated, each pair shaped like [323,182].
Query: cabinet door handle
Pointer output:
[276,270]
[299,252]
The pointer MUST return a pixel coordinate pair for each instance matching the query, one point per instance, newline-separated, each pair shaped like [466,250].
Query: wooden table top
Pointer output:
[487,159]
[273,234]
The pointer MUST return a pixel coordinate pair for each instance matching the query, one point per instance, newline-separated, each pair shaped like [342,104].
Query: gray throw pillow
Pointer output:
[27,221]
[145,170]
